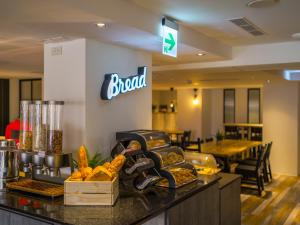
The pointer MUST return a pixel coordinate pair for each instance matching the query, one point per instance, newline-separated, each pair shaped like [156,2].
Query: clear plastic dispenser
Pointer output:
[55,130]
[25,126]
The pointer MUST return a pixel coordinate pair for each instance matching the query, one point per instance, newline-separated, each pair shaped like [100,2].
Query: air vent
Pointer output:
[247,26]
[261,3]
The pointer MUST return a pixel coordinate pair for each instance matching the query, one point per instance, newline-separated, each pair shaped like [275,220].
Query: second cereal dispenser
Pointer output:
[55,131]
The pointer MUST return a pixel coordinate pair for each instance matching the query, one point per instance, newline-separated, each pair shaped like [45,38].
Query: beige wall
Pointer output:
[281,125]
[76,77]
[13,98]
[241,99]
[189,116]
[213,109]
[206,113]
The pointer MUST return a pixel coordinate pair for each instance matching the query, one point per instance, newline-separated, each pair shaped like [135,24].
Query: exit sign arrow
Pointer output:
[171,42]
[169,45]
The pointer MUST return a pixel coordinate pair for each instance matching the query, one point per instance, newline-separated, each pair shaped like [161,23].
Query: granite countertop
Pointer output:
[227,179]
[131,207]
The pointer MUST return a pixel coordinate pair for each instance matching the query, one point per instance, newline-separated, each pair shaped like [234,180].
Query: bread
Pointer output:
[100,173]
[85,171]
[82,158]
[76,176]
[118,163]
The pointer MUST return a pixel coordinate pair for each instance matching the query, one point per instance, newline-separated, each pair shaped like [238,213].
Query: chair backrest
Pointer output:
[268,150]
[209,139]
[261,156]
[186,138]
[199,144]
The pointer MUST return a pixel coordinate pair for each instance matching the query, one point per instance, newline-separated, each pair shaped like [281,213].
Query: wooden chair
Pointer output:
[186,139]
[209,139]
[191,147]
[250,172]
[266,163]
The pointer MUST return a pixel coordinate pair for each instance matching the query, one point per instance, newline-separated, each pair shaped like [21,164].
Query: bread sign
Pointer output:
[113,85]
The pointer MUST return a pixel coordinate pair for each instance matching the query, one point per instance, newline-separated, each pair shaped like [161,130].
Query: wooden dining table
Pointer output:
[227,149]
[176,133]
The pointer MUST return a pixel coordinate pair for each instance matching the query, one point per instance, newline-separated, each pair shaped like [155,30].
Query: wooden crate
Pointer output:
[91,192]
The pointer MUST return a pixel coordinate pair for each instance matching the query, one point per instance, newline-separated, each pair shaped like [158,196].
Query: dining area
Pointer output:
[248,158]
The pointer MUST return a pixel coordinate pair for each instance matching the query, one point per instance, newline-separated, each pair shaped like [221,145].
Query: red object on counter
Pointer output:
[12,130]
[24,201]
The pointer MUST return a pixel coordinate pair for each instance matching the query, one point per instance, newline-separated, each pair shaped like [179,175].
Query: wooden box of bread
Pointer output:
[91,192]
[93,186]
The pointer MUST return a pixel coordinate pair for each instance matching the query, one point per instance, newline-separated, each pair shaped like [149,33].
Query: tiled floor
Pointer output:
[280,204]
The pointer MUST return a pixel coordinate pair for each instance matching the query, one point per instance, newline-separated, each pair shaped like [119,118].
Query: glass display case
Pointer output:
[205,164]
[168,156]
[178,175]
[148,139]
[167,166]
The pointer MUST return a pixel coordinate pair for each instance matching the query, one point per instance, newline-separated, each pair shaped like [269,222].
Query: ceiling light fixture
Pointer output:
[200,54]
[100,25]
[261,3]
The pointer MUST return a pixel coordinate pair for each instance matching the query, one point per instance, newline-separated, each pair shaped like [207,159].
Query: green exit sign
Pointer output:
[170,31]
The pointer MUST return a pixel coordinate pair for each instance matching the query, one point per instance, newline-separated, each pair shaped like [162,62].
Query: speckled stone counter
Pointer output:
[131,207]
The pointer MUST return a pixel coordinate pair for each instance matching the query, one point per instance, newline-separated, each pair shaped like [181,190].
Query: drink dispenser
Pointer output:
[55,131]
[25,126]
[38,112]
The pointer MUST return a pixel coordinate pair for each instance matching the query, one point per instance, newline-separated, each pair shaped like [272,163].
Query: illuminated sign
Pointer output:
[113,85]
[170,30]
[293,75]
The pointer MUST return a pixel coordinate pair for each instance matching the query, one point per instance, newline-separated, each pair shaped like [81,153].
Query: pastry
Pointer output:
[85,171]
[118,163]
[82,157]
[76,176]
[100,173]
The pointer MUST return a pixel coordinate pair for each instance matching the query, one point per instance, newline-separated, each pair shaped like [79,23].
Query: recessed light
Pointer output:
[268,81]
[200,54]
[101,25]
[296,35]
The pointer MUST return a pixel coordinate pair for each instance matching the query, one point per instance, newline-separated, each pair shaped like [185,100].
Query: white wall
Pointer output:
[126,112]
[64,79]
[76,77]
[189,116]
[281,122]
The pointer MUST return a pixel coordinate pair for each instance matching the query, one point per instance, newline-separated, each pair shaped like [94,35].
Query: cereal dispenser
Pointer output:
[55,131]
[25,126]
[38,110]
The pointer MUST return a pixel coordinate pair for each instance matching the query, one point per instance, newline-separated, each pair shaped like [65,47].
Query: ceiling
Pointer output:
[211,18]
[26,25]
[230,77]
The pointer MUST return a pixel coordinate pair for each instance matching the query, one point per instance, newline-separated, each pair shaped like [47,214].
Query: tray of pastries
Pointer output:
[178,176]
[37,187]
[169,156]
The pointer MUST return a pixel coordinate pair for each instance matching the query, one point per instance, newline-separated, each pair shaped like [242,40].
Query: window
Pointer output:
[253,105]
[4,105]
[31,89]
[229,105]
